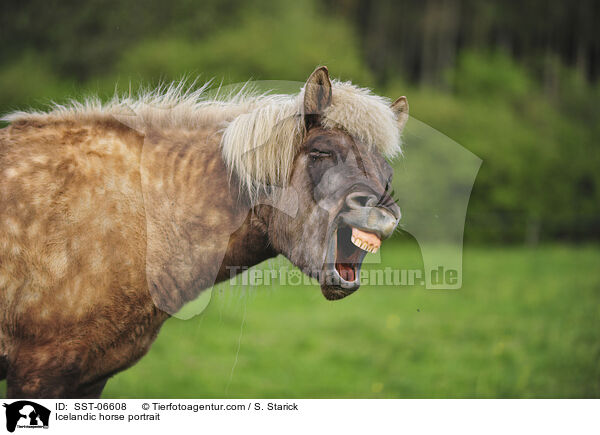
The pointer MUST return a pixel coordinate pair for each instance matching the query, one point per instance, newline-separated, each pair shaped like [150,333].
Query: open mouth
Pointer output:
[356,230]
[351,246]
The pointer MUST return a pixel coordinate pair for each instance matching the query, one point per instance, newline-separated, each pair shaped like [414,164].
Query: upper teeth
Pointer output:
[364,245]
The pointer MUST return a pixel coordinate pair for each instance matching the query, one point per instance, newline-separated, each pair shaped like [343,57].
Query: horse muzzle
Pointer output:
[358,230]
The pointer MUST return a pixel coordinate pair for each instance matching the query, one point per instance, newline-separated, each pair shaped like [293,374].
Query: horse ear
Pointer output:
[400,108]
[317,96]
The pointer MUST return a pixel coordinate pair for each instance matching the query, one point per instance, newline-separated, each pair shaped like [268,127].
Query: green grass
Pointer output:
[525,324]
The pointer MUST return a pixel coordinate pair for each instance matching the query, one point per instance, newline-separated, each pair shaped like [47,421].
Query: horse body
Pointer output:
[107,228]
[75,302]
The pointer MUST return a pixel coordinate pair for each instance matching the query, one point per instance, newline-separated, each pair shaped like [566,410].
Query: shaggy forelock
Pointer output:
[260,146]
[261,133]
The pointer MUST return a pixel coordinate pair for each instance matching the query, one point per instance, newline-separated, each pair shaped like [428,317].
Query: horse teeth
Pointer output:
[363,245]
[365,240]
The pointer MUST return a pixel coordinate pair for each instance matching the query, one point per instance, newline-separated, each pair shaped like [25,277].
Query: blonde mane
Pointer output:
[261,132]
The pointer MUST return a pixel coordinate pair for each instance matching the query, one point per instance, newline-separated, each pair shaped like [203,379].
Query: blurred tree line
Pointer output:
[514,82]
[424,38]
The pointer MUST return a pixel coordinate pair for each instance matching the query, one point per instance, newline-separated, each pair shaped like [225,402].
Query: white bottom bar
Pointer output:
[308,416]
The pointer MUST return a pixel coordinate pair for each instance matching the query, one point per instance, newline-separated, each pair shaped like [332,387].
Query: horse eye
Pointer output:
[318,154]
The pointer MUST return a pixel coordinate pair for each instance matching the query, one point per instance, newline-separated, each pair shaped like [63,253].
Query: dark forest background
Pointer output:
[515,82]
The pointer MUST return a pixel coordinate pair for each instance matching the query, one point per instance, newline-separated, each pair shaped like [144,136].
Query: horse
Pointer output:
[113,215]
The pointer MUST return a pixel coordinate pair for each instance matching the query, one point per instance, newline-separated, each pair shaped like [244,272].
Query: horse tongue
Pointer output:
[364,236]
[346,271]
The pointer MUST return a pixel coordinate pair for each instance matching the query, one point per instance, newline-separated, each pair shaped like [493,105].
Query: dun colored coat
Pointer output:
[113,216]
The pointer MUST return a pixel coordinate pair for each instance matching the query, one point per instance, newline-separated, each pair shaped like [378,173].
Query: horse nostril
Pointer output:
[358,200]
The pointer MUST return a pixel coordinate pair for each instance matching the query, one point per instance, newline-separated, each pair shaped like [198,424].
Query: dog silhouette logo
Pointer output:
[26,414]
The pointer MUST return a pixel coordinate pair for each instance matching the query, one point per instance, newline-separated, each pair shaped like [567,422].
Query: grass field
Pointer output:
[525,324]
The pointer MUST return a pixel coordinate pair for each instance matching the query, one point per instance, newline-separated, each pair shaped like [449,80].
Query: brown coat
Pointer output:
[73,244]
[112,217]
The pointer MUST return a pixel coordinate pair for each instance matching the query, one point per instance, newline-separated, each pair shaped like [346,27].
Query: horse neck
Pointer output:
[247,247]
[199,227]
